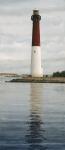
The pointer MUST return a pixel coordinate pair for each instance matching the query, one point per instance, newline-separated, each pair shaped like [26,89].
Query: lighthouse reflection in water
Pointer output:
[32,116]
[35,135]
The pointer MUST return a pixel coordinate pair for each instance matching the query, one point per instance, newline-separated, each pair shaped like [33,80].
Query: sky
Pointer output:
[16,34]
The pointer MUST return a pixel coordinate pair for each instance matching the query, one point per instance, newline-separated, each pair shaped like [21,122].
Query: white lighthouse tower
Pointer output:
[36,69]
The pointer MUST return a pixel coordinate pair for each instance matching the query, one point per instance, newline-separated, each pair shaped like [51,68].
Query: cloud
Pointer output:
[21,7]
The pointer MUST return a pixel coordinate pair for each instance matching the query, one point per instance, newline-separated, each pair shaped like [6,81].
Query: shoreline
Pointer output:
[29,79]
[39,80]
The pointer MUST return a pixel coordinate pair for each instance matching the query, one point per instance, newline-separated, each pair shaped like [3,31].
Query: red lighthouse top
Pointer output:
[36,28]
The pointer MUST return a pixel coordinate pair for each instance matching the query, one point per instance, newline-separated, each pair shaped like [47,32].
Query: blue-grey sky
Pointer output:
[16,31]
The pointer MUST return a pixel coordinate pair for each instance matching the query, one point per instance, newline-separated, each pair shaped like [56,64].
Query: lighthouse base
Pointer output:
[37,75]
[36,69]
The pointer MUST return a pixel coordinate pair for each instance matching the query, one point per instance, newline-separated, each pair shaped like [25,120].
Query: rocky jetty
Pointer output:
[39,79]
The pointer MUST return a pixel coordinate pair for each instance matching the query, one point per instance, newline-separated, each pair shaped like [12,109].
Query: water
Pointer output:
[32,116]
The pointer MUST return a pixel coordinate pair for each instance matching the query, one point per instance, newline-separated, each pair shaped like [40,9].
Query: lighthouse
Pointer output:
[36,69]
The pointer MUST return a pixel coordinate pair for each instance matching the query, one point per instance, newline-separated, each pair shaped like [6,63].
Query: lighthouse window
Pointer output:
[34,51]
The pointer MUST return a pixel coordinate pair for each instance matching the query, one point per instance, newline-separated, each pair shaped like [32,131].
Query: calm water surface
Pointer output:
[32,116]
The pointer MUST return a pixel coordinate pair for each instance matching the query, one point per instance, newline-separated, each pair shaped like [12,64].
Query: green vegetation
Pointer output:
[59,74]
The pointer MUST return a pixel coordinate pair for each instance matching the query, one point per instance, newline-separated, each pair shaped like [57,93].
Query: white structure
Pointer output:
[36,69]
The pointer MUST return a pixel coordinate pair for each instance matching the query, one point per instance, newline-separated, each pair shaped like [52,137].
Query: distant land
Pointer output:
[55,74]
[9,74]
